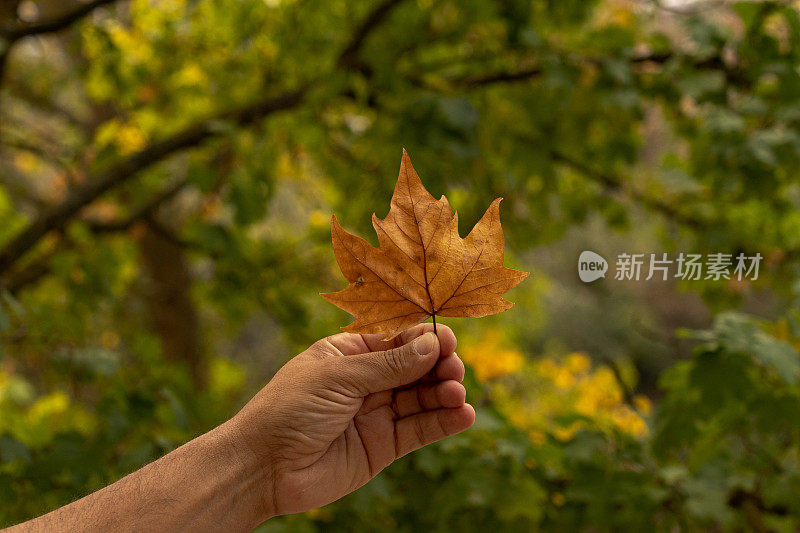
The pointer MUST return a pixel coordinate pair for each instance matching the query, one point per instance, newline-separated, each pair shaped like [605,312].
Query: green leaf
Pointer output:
[697,84]
[12,450]
[741,334]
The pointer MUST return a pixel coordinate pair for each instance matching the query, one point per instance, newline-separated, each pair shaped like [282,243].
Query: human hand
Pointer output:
[344,409]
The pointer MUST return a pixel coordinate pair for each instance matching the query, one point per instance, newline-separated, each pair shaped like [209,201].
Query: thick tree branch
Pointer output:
[497,77]
[616,184]
[472,81]
[17,30]
[32,272]
[734,75]
[143,212]
[349,58]
[12,29]
[57,216]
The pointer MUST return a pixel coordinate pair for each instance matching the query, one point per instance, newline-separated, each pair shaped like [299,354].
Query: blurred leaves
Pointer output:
[609,113]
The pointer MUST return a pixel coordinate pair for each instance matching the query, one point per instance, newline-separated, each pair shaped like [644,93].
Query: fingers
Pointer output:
[429,396]
[414,432]
[447,368]
[372,372]
[447,339]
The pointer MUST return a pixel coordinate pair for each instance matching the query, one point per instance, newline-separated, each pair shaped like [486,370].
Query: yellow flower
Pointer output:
[643,404]
[586,405]
[628,421]
[565,433]
[578,362]
[564,379]
[537,437]
[490,359]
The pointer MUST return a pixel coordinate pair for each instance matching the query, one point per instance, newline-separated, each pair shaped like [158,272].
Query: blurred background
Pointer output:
[169,168]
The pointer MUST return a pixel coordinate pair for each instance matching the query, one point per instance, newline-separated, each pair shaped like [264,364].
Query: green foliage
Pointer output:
[723,454]
[54,448]
[611,114]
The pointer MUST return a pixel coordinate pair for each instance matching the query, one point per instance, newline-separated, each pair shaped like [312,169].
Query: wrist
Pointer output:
[252,471]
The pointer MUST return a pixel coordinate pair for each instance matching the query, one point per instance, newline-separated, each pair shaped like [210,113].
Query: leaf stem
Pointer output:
[434,324]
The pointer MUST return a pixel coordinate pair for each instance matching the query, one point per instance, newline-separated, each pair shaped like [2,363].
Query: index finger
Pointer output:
[447,339]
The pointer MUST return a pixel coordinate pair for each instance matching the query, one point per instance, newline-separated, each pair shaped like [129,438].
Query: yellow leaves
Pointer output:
[226,378]
[48,407]
[643,405]
[629,421]
[137,50]
[570,385]
[126,137]
[36,422]
[534,395]
[490,358]
[191,75]
[617,13]
[130,139]
[318,219]
[578,362]
[13,391]
[26,162]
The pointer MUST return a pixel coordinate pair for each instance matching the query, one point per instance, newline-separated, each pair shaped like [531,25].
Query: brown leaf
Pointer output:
[421,267]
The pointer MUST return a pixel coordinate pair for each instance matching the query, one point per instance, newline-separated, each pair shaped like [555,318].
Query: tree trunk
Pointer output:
[172,312]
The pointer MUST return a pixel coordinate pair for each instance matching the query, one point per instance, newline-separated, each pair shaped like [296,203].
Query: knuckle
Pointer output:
[337,369]
[328,366]
[336,373]
[395,361]
[419,430]
[440,425]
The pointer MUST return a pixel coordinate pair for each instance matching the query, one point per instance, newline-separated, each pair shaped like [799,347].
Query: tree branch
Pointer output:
[31,98]
[616,184]
[52,160]
[141,213]
[625,389]
[14,32]
[469,82]
[349,57]
[57,216]
[12,29]
[33,272]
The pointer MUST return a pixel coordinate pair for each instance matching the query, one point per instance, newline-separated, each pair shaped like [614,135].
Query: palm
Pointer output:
[336,440]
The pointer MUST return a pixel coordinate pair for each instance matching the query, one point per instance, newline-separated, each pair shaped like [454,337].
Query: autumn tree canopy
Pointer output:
[168,173]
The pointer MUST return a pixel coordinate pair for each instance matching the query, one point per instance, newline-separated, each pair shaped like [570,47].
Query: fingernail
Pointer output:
[424,344]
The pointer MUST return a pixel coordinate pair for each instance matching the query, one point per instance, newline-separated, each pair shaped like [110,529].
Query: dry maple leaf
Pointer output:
[421,267]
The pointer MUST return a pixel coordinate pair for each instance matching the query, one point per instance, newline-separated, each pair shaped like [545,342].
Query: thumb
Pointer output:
[378,371]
